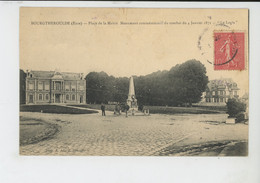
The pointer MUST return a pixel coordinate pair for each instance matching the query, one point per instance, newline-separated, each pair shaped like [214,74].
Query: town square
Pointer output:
[144,87]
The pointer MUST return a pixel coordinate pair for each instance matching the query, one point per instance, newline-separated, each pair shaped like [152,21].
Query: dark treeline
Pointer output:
[22,86]
[182,84]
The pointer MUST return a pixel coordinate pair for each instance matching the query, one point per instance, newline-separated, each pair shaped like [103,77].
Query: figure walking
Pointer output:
[103,108]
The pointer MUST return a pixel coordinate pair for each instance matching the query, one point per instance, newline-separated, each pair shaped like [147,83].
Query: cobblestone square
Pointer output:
[113,135]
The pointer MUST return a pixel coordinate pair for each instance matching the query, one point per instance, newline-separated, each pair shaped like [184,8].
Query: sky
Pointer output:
[95,39]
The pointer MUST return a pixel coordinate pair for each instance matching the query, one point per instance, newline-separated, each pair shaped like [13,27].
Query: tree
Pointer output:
[182,84]
[97,87]
[103,88]
[22,86]
[235,108]
[190,81]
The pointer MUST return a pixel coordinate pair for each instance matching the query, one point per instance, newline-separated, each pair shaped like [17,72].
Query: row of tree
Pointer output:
[182,84]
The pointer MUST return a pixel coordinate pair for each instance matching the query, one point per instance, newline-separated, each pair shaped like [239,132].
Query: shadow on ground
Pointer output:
[35,130]
[224,148]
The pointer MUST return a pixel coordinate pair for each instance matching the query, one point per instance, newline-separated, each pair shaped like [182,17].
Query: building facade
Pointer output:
[219,91]
[44,87]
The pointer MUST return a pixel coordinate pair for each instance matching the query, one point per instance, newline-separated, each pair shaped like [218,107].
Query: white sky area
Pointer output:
[123,50]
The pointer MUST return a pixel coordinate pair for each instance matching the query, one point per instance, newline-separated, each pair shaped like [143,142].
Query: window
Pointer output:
[67,97]
[58,86]
[221,92]
[31,86]
[47,97]
[73,86]
[221,99]
[40,96]
[67,86]
[81,85]
[47,86]
[73,97]
[40,86]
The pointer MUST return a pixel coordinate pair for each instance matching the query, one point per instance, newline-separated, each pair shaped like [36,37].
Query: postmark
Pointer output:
[229,50]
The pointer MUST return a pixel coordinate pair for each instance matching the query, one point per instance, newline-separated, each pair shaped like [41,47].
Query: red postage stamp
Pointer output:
[229,51]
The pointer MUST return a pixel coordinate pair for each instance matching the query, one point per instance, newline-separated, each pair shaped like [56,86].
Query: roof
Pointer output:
[245,96]
[42,74]
[222,83]
[56,75]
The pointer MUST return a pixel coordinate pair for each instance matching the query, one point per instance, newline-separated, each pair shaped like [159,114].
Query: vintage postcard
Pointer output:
[133,82]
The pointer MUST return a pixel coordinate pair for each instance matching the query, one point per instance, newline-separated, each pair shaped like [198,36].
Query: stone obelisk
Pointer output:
[131,100]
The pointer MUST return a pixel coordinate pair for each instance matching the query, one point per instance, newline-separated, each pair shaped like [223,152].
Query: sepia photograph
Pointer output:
[133,82]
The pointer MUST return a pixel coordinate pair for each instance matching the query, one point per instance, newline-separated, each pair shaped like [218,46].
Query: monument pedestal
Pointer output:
[132,103]
[131,100]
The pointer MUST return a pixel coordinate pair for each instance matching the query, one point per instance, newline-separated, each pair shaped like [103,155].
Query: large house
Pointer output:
[219,91]
[55,87]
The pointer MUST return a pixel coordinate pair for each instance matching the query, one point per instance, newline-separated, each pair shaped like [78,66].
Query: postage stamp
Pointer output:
[229,51]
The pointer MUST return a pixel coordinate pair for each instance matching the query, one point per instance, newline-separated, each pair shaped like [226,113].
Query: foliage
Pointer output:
[235,107]
[103,88]
[189,81]
[22,86]
[240,117]
[183,84]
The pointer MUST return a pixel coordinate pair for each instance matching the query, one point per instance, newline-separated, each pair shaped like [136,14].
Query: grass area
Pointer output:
[54,109]
[217,108]
[35,130]
[181,110]
[95,106]
[164,110]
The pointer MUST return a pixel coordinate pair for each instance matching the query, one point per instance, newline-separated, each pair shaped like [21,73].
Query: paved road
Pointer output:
[93,134]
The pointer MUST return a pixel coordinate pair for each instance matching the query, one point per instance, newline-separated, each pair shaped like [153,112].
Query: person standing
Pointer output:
[126,110]
[103,108]
[116,108]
